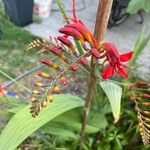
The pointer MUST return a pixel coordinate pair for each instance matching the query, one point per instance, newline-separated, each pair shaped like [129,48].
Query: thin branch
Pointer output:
[103,13]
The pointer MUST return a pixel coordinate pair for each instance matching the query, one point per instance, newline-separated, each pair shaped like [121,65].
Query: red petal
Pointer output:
[111,49]
[126,56]
[122,72]
[108,72]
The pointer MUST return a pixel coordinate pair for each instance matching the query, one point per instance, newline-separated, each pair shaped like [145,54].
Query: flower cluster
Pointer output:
[64,47]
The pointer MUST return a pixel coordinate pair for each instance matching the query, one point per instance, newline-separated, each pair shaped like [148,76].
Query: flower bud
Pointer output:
[95,53]
[145,96]
[40,84]
[72,32]
[33,99]
[65,41]
[73,67]
[43,104]
[57,89]
[55,50]
[84,61]
[50,63]
[43,74]
[132,98]
[36,92]
[50,98]
[63,80]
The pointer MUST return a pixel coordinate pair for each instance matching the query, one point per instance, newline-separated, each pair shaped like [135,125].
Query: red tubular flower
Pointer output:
[115,61]
[65,41]
[68,43]
[72,32]
[80,27]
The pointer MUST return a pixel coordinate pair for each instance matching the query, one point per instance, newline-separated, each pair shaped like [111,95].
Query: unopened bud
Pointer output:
[57,89]
[50,98]
[95,53]
[63,80]
[43,74]
[72,32]
[84,61]
[73,67]
[39,84]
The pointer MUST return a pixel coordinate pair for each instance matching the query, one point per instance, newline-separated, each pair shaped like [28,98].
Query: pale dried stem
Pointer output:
[102,17]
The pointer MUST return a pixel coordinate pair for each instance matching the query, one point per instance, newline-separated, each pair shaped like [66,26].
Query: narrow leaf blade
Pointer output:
[23,125]
[113,93]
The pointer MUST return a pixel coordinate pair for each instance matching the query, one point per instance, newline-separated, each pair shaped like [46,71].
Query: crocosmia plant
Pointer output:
[64,47]
[77,48]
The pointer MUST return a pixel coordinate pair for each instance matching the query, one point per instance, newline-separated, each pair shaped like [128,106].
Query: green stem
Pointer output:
[62,11]
[6,75]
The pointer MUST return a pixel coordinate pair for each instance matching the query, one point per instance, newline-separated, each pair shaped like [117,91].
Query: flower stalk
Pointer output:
[102,17]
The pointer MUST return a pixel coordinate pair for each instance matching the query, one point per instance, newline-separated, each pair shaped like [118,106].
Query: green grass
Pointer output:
[13,57]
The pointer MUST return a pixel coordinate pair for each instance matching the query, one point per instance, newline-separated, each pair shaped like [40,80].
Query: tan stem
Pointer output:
[102,17]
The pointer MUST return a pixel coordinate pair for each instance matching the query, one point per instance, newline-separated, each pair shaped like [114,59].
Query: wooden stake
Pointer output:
[102,17]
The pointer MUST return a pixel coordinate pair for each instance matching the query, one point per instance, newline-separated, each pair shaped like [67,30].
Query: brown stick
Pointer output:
[102,17]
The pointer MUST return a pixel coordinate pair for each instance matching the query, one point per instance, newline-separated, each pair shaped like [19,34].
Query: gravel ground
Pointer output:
[123,35]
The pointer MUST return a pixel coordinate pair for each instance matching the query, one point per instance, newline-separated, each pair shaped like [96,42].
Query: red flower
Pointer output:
[115,61]
[77,29]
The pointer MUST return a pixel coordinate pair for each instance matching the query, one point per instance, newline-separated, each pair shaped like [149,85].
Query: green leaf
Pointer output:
[73,120]
[140,44]
[58,129]
[135,5]
[147,6]
[113,93]
[98,120]
[23,125]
